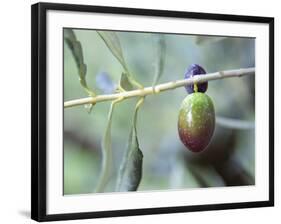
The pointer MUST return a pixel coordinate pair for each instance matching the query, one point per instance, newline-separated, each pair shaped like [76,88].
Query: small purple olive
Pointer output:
[196,121]
[194,70]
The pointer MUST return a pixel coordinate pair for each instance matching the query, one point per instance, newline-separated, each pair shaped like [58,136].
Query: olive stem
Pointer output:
[161,87]
[195,88]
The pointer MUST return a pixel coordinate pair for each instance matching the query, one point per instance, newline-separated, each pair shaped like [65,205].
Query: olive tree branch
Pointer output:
[161,87]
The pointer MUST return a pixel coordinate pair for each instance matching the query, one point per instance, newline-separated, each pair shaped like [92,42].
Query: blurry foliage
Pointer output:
[167,164]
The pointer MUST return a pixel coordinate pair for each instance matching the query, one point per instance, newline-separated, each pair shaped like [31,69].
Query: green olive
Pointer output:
[196,121]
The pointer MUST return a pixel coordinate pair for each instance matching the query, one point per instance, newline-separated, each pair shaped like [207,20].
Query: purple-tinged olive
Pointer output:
[196,121]
[194,70]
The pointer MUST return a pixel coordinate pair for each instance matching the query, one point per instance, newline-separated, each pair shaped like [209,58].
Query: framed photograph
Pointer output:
[140,111]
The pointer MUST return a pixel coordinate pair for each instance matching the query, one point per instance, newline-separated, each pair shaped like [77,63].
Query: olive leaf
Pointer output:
[160,57]
[125,83]
[72,43]
[130,172]
[106,153]
[131,169]
[77,52]
[113,43]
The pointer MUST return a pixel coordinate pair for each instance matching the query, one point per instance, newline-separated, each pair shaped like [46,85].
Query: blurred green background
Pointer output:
[230,158]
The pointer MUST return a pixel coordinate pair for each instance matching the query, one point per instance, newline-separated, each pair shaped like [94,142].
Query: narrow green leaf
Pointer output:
[125,83]
[78,55]
[113,43]
[130,172]
[77,52]
[106,153]
[82,70]
[131,168]
[69,34]
[160,57]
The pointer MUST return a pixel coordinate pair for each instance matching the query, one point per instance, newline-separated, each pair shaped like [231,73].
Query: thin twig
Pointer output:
[161,87]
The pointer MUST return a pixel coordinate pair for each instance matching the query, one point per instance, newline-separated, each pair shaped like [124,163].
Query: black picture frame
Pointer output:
[39,122]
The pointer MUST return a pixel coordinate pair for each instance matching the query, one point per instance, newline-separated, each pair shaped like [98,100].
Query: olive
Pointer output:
[196,121]
[194,70]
